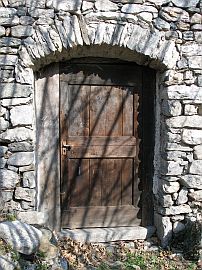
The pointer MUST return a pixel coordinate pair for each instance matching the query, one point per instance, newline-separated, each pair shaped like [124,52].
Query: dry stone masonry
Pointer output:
[163,34]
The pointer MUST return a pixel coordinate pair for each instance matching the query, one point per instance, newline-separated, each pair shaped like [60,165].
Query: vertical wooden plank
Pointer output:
[95,182]
[98,100]
[47,143]
[127,181]
[111,188]
[77,182]
[128,111]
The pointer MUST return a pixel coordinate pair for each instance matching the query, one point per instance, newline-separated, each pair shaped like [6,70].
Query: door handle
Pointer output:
[65,147]
[68,147]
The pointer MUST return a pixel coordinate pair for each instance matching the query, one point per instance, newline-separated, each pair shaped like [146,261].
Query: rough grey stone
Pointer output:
[191,181]
[198,152]
[171,107]
[10,102]
[7,12]
[182,92]
[9,21]
[185,3]
[170,187]
[193,121]
[8,60]
[22,237]
[33,217]
[3,150]
[177,147]
[161,24]
[196,167]
[105,5]
[195,62]
[165,200]
[196,195]
[2,31]
[136,8]
[21,115]
[3,124]
[192,136]
[188,35]
[65,5]
[177,218]
[25,194]
[7,263]
[39,12]
[12,90]
[16,135]
[182,197]
[21,159]
[196,18]
[190,109]
[20,147]
[191,49]
[145,16]
[6,195]
[29,179]
[198,36]
[176,210]
[26,20]
[171,168]
[2,163]
[10,42]
[8,179]
[164,231]
[196,27]
[21,31]
[174,14]
[12,168]
[178,227]
[27,168]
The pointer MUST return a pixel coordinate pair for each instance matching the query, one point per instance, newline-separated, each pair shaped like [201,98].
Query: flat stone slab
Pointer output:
[99,235]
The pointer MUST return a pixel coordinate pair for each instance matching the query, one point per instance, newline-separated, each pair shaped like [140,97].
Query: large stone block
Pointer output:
[9,21]
[29,179]
[196,195]
[196,167]
[12,90]
[195,62]
[65,5]
[25,194]
[9,60]
[3,124]
[33,217]
[170,186]
[164,230]
[193,121]
[7,12]
[3,150]
[191,181]
[185,3]
[2,31]
[21,159]
[2,163]
[8,179]
[182,196]
[21,115]
[105,5]
[21,31]
[165,200]
[198,152]
[192,136]
[171,107]
[176,210]
[16,135]
[21,147]
[10,102]
[22,237]
[136,8]
[171,168]
[182,92]
[174,14]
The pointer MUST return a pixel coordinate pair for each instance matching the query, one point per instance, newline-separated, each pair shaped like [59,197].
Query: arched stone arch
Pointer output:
[70,37]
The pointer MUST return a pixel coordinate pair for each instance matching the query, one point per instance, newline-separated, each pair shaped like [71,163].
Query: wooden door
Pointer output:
[99,119]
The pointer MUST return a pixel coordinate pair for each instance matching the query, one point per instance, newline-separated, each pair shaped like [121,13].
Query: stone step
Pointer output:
[100,235]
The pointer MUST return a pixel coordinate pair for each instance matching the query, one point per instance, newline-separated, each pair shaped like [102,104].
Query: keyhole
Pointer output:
[69,148]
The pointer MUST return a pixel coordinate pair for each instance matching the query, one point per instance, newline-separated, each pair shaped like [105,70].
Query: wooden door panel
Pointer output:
[99,123]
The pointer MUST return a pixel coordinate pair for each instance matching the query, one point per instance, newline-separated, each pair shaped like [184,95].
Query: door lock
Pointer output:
[65,147]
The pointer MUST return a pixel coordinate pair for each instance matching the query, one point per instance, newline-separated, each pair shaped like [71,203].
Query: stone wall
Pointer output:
[163,34]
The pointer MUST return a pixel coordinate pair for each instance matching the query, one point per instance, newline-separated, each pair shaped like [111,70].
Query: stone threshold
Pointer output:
[102,235]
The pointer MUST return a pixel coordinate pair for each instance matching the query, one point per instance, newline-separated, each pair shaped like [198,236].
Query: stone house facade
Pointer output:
[165,35]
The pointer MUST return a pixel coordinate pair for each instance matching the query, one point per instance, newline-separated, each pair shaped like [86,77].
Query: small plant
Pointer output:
[133,260]
[42,266]
[11,217]
[103,266]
